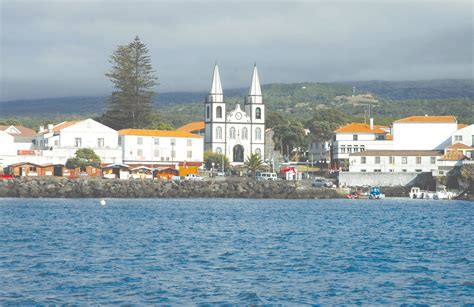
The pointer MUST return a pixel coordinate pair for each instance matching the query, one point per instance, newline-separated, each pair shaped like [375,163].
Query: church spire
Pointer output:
[216,87]
[255,89]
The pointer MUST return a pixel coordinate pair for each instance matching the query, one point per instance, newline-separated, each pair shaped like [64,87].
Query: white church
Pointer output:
[237,133]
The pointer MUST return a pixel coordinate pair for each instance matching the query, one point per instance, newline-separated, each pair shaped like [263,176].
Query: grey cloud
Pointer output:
[61,48]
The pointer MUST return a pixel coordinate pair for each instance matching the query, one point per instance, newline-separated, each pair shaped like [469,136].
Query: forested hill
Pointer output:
[389,99]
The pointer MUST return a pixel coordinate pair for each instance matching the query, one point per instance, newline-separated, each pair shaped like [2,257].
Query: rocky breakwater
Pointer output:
[102,188]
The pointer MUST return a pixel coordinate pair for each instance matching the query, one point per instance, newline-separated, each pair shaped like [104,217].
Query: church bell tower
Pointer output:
[215,116]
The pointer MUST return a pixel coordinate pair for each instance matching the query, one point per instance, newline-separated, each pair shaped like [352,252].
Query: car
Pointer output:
[192,177]
[320,182]
[267,176]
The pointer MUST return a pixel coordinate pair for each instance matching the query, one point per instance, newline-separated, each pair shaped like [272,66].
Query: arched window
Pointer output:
[218,150]
[219,112]
[207,112]
[232,133]
[258,113]
[219,133]
[245,133]
[258,134]
[258,152]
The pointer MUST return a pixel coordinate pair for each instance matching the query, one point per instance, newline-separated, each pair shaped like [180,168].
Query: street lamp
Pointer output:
[212,169]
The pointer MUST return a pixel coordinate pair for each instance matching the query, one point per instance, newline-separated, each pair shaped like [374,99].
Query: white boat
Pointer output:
[417,193]
[442,193]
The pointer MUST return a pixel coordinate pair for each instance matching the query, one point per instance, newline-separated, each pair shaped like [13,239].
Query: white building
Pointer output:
[160,147]
[395,161]
[237,133]
[57,143]
[357,137]
[319,152]
[464,135]
[14,142]
[423,132]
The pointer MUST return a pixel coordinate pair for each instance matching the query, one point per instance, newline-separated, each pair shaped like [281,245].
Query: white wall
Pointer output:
[422,136]
[341,148]
[465,134]
[426,165]
[148,151]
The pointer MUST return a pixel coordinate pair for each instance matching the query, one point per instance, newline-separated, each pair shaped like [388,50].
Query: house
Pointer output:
[58,143]
[160,147]
[395,161]
[15,140]
[464,135]
[194,128]
[116,171]
[24,169]
[423,132]
[358,137]
[141,172]
[23,137]
[319,152]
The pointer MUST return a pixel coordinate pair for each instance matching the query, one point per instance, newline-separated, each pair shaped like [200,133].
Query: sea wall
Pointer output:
[353,179]
[111,188]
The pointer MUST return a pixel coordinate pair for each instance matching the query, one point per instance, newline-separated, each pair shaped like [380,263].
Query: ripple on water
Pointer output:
[232,251]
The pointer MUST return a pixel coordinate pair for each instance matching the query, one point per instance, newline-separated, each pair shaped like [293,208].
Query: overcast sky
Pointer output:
[61,48]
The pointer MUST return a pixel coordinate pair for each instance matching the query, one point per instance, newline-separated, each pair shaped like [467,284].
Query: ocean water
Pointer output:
[205,251]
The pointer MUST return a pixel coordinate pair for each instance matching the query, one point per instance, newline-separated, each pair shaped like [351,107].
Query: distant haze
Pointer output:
[61,48]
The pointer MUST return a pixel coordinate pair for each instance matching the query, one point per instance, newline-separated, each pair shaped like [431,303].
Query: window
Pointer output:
[363,160]
[119,141]
[343,148]
[356,148]
[32,169]
[404,170]
[245,134]
[189,154]
[77,142]
[219,112]
[418,170]
[207,112]
[355,137]
[458,138]
[377,160]
[258,113]
[418,160]
[391,170]
[173,154]
[391,160]
[377,170]
[139,152]
[404,160]
[316,145]
[232,133]
[100,142]
[139,140]
[349,148]
[258,134]
[156,153]
[363,170]
[219,133]
[219,150]
[258,152]
[156,141]
[56,143]
[173,142]
[189,142]
[362,147]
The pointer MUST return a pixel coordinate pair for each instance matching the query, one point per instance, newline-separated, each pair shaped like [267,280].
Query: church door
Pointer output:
[238,153]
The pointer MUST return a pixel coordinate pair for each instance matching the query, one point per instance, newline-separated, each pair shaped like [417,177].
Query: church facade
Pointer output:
[239,132]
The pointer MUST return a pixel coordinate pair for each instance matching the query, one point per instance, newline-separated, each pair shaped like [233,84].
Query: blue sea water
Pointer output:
[200,251]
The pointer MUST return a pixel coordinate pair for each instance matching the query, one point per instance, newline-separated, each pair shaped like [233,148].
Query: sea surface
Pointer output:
[205,251]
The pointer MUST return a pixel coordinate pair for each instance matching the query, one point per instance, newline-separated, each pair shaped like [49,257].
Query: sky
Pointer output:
[58,48]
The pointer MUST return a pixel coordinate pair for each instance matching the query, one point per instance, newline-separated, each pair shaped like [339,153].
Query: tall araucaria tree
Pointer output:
[132,74]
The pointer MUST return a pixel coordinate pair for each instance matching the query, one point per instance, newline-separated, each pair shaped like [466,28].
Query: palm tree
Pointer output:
[254,163]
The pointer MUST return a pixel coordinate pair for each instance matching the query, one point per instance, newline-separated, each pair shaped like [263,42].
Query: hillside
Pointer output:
[388,100]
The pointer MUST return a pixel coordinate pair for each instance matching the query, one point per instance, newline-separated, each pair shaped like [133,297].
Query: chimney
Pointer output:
[50,127]
[41,129]
[371,123]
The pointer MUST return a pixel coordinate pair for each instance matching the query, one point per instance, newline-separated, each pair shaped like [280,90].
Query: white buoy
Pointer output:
[102,202]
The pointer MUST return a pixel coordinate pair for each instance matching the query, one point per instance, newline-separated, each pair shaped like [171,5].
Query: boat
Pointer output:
[375,193]
[417,193]
[443,193]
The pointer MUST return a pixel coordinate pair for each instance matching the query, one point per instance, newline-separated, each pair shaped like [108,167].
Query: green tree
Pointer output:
[253,163]
[158,123]
[274,119]
[133,77]
[84,157]
[288,137]
[216,158]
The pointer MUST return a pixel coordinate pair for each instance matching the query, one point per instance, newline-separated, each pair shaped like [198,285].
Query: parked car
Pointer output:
[267,176]
[192,177]
[320,182]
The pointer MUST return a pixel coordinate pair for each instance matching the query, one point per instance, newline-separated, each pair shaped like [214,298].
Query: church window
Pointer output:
[245,134]
[258,134]
[218,150]
[258,152]
[232,133]
[258,113]
[219,112]
[207,112]
[219,133]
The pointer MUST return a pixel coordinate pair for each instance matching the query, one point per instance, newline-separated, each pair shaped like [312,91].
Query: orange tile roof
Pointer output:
[459,146]
[461,126]
[453,155]
[163,133]
[427,119]
[361,128]
[63,125]
[23,130]
[190,127]
[389,137]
